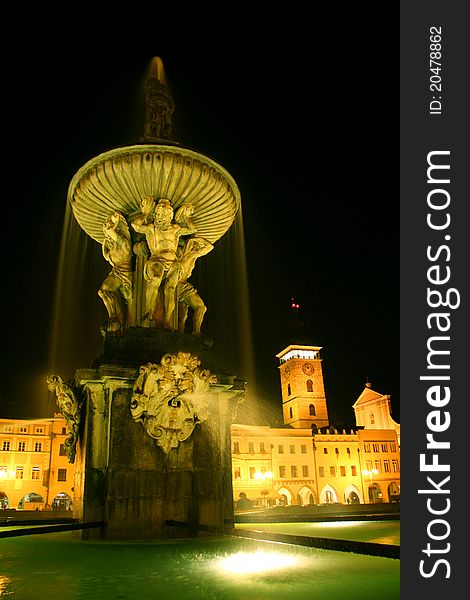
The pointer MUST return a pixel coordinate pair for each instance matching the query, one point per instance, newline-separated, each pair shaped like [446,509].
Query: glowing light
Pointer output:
[256,562]
[263,475]
[370,473]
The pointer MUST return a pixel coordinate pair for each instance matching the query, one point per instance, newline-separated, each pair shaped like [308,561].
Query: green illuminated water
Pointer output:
[60,565]
[379,532]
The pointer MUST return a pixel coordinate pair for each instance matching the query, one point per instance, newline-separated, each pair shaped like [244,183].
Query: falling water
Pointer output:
[77,309]
[222,280]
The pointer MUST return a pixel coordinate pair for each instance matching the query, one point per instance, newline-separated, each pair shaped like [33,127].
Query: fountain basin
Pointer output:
[116,180]
[202,568]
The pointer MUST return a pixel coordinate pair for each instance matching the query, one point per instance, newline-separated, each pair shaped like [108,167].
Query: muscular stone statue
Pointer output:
[187,295]
[116,289]
[162,235]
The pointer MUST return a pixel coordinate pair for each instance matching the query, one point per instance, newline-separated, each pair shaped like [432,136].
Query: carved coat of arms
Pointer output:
[170,398]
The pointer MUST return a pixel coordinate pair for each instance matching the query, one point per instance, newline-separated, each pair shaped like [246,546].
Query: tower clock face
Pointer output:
[308,369]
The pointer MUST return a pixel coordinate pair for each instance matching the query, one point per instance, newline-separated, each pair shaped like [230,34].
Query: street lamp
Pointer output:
[371,474]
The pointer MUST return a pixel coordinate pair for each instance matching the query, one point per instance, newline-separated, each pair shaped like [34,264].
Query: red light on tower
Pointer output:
[294,304]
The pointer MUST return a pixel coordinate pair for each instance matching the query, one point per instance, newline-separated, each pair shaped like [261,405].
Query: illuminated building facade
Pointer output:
[34,468]
[308,462]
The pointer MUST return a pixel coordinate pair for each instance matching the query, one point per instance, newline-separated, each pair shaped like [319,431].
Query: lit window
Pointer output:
[62,475]
[35,473]
[342,471]
[237,473]
[19,472]
[353,470]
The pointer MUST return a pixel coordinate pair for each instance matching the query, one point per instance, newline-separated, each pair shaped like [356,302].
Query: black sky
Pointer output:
[307,127]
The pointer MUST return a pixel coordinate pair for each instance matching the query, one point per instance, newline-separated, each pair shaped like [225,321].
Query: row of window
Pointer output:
[7,446]
[383,466]
[380,447]
[21,429]
[262,448]
[35,473]
[376,447]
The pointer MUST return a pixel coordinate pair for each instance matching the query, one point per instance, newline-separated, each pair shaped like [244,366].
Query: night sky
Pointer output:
[308,134]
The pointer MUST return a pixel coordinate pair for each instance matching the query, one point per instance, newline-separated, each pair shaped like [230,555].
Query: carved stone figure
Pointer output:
[159,107]
[116,289]
[170,398]
[187,294]
[70,409]
[162,235]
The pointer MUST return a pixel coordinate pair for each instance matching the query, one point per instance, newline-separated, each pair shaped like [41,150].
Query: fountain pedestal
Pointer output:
[125,480]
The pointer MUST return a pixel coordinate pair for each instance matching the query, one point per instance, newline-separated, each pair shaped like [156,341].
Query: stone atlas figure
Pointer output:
[116,289]
[187,294]
[162,234]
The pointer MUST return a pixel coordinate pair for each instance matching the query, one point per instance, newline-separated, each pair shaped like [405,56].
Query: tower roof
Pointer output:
[297,347]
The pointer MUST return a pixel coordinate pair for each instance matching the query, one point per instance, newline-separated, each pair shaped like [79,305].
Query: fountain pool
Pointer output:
[210,568]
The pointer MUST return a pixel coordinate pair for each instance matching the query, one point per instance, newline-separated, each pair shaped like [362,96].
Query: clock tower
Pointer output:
[302,388]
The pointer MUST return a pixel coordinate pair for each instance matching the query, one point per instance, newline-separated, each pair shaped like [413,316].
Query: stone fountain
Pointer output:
[149,422]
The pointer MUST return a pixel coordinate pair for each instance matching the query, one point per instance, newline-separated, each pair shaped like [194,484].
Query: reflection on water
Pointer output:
[4,581]
[379,532]
[59,564]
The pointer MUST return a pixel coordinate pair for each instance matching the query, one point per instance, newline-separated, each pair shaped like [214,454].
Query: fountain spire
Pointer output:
[159,106]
